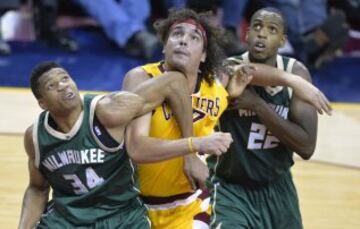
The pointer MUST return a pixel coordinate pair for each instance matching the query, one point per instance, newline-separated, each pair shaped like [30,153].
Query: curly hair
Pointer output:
[214,36]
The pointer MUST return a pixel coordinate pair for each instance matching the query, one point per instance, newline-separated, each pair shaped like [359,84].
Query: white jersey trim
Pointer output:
[289,69]
[176,203]
[36,141]
[64,136]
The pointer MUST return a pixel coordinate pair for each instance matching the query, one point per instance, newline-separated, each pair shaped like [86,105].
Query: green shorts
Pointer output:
[273,205]
[135,219]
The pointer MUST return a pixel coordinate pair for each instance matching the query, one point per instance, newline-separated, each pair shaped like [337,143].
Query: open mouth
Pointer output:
[69,95]
[259,46]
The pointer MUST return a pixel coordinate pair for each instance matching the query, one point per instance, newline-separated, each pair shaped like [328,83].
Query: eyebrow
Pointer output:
[274,23]
[196,30]
[256,20]
[50,78]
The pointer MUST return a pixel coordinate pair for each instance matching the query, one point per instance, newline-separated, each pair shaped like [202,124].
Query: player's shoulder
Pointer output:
[300,69]
[29,131]
[134,77]
[28,141]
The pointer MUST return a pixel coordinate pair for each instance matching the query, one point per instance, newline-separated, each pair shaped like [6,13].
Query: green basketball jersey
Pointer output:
[255,155]
[89,180]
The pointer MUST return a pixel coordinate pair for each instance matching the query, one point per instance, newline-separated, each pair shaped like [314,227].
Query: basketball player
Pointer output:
[76,148]
[251,184]
[192,46]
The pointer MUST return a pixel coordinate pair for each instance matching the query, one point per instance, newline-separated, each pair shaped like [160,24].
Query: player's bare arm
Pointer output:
[116,110]
[242,74]
[299,132]
[145,149]
[37,192]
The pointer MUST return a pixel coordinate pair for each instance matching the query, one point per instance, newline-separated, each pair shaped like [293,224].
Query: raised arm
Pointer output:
[116,110]
[263,75]
[145,149]
[299,132]
[37,192]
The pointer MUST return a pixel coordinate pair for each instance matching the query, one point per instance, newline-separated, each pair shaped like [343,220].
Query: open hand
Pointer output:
[240,76]
[311,94]
[196,171]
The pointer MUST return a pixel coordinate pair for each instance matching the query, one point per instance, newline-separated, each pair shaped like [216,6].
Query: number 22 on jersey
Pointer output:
[261,138]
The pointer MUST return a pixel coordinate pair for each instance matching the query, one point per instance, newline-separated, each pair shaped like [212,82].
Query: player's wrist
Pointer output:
[193,145]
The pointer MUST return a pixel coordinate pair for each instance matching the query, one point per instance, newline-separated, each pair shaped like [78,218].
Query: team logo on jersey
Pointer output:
[202,107]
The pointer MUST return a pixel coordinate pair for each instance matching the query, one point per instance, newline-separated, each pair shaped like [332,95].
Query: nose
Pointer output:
[184,40]
[62,85]
[262,33]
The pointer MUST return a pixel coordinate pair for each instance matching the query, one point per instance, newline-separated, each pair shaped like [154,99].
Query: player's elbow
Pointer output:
[135,154]
[306,152]
[135,150]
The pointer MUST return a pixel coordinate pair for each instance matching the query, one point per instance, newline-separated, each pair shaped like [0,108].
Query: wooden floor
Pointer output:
[329,194]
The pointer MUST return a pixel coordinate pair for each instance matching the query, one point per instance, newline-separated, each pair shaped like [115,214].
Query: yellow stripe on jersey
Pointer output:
[167,178]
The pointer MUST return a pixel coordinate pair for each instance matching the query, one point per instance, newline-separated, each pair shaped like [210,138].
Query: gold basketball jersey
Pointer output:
[167,178]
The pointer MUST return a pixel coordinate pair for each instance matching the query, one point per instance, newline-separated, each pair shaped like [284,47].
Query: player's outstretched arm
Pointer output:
[118,109]
[37,192]
[299,131]
[145,149]
[263,75]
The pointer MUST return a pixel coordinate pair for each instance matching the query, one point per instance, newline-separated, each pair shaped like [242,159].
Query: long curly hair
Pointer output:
[214,36]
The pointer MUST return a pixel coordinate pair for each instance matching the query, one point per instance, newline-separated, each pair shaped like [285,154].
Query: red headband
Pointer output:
[196,24]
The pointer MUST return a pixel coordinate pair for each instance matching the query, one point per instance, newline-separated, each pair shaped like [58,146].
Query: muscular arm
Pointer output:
[37,192]
[116,110]
[263,75]
[144,149]
[299,132]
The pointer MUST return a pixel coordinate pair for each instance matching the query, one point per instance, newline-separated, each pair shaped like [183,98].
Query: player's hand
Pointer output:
[247,100]
[311,94]
[216,143]
[240,76]
[196,171]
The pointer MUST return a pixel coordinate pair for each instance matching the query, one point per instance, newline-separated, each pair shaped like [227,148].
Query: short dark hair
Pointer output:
[37,72]
[214,36]
[275,11]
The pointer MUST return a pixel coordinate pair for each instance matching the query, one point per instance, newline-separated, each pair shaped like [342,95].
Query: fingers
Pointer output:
[191,180]
[326,104]
[223,143]
[240,69]
[323,104]
[202,184]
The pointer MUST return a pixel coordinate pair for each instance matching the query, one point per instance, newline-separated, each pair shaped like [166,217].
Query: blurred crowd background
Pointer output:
[319,31]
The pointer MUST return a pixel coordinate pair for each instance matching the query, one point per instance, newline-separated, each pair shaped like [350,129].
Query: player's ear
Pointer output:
[42,104]
[283,40]
[203,57]
[247,36]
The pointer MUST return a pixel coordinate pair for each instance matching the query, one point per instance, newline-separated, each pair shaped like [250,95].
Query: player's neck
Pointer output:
[271,61]
[190,74]
[66,121]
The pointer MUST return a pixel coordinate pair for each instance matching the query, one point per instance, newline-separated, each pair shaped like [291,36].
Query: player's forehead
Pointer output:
[184,26]
[51,75]
[267,16]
